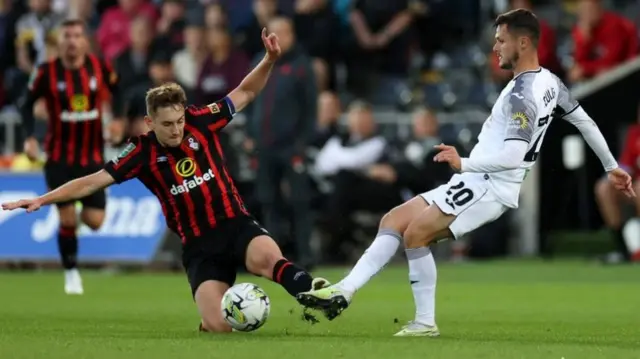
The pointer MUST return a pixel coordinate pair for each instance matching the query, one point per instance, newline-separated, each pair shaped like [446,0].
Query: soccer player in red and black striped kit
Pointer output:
[182,163]
[73,87]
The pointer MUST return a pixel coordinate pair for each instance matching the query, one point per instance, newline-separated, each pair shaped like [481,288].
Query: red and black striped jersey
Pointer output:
[74,100]
[191,181]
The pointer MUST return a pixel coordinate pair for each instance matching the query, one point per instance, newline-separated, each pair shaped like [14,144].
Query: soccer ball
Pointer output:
[245,307]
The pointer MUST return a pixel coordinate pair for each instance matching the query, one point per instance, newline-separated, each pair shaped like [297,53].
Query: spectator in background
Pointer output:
[171,25]
[249,34]
[132,65]
[414,170]
[358,149]
[187,63]
[114,31]
[317,30]
[346,158]
[610,201]
[547,46]
[8,20]
[381,31]
[281,124]
[160,72]
[602,40]
[85,10]
[215,15]
[32,30]
[223,68]
[329,111]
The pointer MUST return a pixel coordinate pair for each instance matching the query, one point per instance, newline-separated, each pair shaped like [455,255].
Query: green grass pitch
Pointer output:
[484,310]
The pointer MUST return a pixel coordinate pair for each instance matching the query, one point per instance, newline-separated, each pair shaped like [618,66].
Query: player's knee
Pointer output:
[399,217]
[395,220]
[215,325]
[93,218]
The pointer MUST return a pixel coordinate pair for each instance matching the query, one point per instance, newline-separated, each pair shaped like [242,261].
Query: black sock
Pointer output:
[621,244]
[68,247]
[293,278]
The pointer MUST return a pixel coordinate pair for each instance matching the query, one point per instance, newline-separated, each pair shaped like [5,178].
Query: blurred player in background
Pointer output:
[73,87]
[182,163]
[610,201]
[487,183]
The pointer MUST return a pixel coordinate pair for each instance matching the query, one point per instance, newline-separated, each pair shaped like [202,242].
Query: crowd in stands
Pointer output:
[379,61]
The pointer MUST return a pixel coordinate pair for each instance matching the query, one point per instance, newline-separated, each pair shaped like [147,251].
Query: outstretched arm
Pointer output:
[594,138]
[73,190]
[592,135]
[256,80]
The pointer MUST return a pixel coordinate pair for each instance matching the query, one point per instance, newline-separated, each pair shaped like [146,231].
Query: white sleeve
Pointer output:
[592,135]
[361,155]
[509,158]
[325,165]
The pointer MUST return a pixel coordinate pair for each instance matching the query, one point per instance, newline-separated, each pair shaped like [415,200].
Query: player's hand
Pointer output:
[450,155]
[621,181]
[272,45]
[31,205]
[32,148]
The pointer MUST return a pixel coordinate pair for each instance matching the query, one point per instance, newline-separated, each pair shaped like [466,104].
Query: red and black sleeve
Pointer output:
[36,89]
[215,116]
[128,163]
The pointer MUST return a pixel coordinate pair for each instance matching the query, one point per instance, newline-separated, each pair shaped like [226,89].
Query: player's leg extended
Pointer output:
[336,298]
[263,257]
[208,297]
[609,202]
[457,208]
[428,227]
[68,248]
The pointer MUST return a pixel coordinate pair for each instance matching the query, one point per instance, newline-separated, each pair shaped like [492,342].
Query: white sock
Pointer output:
[423,276]
[372,261]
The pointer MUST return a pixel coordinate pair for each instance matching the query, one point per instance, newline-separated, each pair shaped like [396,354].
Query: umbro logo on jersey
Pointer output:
[193,144]
[162,159]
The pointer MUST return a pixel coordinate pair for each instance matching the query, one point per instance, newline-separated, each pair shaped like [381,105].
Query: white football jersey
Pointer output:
[523,112]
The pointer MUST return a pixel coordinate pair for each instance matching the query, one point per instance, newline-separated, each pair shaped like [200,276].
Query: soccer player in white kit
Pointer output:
[487,183]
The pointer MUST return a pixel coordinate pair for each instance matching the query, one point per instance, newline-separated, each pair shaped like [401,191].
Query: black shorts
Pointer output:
[56,174]
[218,254]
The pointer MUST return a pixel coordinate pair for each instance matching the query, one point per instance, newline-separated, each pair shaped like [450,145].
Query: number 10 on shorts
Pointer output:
[458,195]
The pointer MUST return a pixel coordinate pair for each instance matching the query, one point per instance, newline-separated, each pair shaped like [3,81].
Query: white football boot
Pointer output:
[416,329]
[73,282]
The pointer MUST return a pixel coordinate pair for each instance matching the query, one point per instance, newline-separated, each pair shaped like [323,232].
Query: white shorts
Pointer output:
[471,198]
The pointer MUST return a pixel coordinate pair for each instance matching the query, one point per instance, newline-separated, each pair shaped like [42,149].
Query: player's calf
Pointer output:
[265,259]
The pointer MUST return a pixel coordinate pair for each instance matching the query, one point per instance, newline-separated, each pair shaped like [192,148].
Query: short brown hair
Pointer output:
[167,95]
[521,22]
[74,22]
